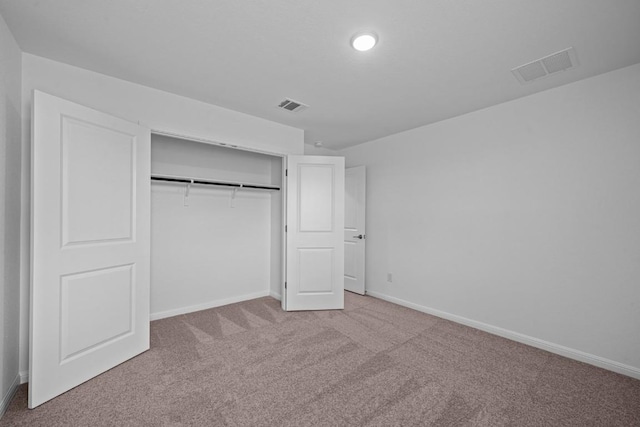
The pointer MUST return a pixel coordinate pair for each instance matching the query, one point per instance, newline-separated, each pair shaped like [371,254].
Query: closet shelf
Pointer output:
[201,181]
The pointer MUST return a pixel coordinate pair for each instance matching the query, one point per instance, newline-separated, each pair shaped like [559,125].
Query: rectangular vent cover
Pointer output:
[559,61]
[293,106]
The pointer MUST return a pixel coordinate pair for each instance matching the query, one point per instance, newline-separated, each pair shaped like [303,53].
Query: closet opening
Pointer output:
[217,222]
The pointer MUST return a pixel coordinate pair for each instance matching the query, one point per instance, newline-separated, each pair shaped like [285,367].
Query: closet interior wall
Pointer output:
[209,247]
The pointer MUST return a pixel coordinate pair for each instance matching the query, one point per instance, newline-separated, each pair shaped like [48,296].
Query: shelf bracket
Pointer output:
[233,197]
[186,193]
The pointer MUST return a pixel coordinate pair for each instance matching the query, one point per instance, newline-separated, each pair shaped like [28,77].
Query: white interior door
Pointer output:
[90,245]
[315,226]
[354,229]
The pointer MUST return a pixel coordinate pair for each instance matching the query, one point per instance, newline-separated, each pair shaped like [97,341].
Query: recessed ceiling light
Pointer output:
[364,41]
[318,143]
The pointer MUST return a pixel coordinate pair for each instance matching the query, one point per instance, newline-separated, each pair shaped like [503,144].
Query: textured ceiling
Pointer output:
[435,59]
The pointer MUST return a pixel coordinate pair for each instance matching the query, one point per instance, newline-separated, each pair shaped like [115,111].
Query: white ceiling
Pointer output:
[435,58]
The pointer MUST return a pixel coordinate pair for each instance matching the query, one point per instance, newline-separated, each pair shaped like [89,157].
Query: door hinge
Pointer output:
[285,229]
[286,172]
[285,285]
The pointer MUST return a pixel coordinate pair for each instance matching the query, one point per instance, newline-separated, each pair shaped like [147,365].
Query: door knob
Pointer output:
[359,236]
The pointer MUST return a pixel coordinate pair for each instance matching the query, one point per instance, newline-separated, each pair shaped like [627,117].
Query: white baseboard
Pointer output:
[6,399]
[571,353]
[206,305]
[24,377]
[275,295]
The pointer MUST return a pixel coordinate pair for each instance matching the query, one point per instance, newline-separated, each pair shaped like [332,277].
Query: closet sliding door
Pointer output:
[90,245]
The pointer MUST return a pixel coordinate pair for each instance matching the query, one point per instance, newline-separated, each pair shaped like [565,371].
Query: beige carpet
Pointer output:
[375,363]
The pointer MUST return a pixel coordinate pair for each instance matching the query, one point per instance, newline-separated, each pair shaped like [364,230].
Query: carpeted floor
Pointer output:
[375,363]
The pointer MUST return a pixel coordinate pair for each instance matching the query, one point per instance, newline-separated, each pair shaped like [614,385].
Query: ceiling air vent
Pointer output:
[293,106]
[559,61]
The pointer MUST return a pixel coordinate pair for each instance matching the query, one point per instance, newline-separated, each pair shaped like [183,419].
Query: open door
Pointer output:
[315,229]
[90,245]
[354,229]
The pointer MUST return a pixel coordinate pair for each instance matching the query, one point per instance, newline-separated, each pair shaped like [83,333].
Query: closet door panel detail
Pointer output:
[98,194]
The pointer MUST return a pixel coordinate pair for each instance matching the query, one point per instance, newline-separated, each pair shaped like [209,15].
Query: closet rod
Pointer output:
[207,182]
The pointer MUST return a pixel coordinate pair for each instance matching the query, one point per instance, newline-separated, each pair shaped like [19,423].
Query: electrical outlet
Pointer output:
[389,277]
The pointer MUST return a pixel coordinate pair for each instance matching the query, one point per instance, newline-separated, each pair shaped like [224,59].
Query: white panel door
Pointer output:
[354,229]
[315,227]
[90,245]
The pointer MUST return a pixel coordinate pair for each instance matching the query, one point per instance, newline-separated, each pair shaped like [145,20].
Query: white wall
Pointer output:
[10,76]
[522,218]
[154,108]
[215,250]
[311,150]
